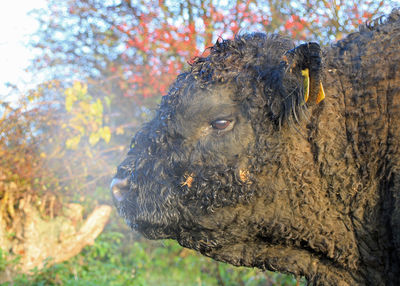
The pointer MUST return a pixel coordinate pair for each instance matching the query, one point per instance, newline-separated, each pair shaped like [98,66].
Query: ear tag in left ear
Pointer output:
[306,83]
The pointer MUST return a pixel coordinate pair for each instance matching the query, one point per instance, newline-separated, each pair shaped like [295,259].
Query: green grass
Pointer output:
[115,260]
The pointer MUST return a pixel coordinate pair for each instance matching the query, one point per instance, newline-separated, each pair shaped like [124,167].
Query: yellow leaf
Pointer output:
[94,138]
[70,99]
[72,143]
[96,108]
[81,90]
[105,133]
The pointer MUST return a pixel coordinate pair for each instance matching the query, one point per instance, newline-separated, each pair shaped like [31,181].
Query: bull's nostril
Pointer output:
[119,187]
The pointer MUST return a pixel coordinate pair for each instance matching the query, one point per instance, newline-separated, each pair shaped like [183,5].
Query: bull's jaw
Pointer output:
[254,235]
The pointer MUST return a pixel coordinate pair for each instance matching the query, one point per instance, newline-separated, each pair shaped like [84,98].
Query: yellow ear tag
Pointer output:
[306,84]
[321,93]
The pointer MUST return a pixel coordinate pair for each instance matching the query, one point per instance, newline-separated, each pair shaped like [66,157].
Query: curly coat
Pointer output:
[238,166]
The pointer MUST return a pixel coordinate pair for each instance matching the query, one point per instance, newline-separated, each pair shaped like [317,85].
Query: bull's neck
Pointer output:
[349,153]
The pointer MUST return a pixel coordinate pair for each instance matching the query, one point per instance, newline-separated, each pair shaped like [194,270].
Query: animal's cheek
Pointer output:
[233,144]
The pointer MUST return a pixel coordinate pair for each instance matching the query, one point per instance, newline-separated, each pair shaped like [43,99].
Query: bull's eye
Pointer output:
[221,124]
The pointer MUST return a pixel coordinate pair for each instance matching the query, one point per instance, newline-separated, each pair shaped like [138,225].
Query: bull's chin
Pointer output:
[152,231]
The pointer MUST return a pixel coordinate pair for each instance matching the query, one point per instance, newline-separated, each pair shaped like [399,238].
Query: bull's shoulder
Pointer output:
[363,70]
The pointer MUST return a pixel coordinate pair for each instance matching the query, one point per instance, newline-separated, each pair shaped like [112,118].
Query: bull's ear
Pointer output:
[306,59]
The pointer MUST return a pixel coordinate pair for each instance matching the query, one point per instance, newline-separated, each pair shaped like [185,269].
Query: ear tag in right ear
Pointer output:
[306,82]
[321,93]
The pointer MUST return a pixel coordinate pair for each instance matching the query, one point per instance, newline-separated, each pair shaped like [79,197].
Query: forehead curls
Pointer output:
[247,55]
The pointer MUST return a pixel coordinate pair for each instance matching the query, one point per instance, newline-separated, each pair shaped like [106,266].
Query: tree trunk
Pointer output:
[40,241]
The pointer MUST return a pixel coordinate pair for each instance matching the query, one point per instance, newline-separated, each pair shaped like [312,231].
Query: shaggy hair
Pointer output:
[238,165]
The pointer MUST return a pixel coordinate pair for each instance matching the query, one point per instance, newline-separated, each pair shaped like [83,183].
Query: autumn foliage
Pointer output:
[140,47]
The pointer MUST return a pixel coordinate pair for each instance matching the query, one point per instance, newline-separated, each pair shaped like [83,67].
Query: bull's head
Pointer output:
[207,170]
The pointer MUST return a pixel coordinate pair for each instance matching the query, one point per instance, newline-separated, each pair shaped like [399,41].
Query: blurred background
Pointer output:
[77,78]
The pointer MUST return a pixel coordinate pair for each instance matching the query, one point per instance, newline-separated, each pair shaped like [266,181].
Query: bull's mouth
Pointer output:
[153,220]
[127,208]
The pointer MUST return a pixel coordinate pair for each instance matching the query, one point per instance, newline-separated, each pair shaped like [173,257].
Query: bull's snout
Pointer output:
[119,187]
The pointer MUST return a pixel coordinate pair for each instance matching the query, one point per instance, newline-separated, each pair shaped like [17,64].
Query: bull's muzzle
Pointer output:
[119,188]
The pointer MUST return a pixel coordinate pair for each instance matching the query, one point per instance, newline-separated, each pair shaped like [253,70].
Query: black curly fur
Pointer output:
[309,189]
